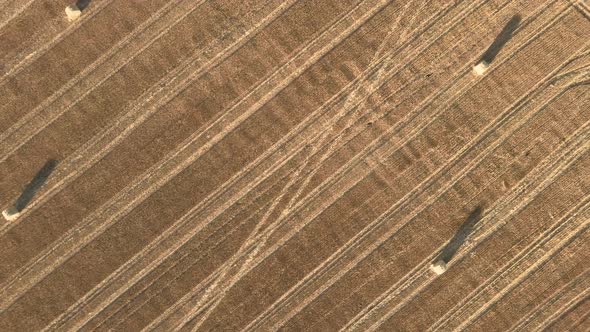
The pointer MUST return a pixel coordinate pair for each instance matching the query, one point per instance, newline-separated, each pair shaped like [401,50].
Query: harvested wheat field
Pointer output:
[297,165]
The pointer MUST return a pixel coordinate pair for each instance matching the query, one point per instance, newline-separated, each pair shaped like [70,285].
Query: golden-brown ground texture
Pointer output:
[296,165]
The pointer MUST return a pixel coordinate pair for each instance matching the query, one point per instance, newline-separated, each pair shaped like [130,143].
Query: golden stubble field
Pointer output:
[295,164]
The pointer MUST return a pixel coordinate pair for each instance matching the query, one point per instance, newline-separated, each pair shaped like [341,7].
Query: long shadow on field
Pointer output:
[36,183]
[82,4]
[501,40]
[451,249]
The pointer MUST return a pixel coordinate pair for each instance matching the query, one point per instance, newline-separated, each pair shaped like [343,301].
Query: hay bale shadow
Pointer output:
[501,40]
[82,4]
[461,235]
[36,183]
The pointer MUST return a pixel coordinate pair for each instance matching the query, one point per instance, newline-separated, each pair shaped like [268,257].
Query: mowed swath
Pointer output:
[295,165]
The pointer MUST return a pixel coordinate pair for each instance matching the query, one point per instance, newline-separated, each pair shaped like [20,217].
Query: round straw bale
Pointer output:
[481,68]
[10,214]
[73,12]
[439,267]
